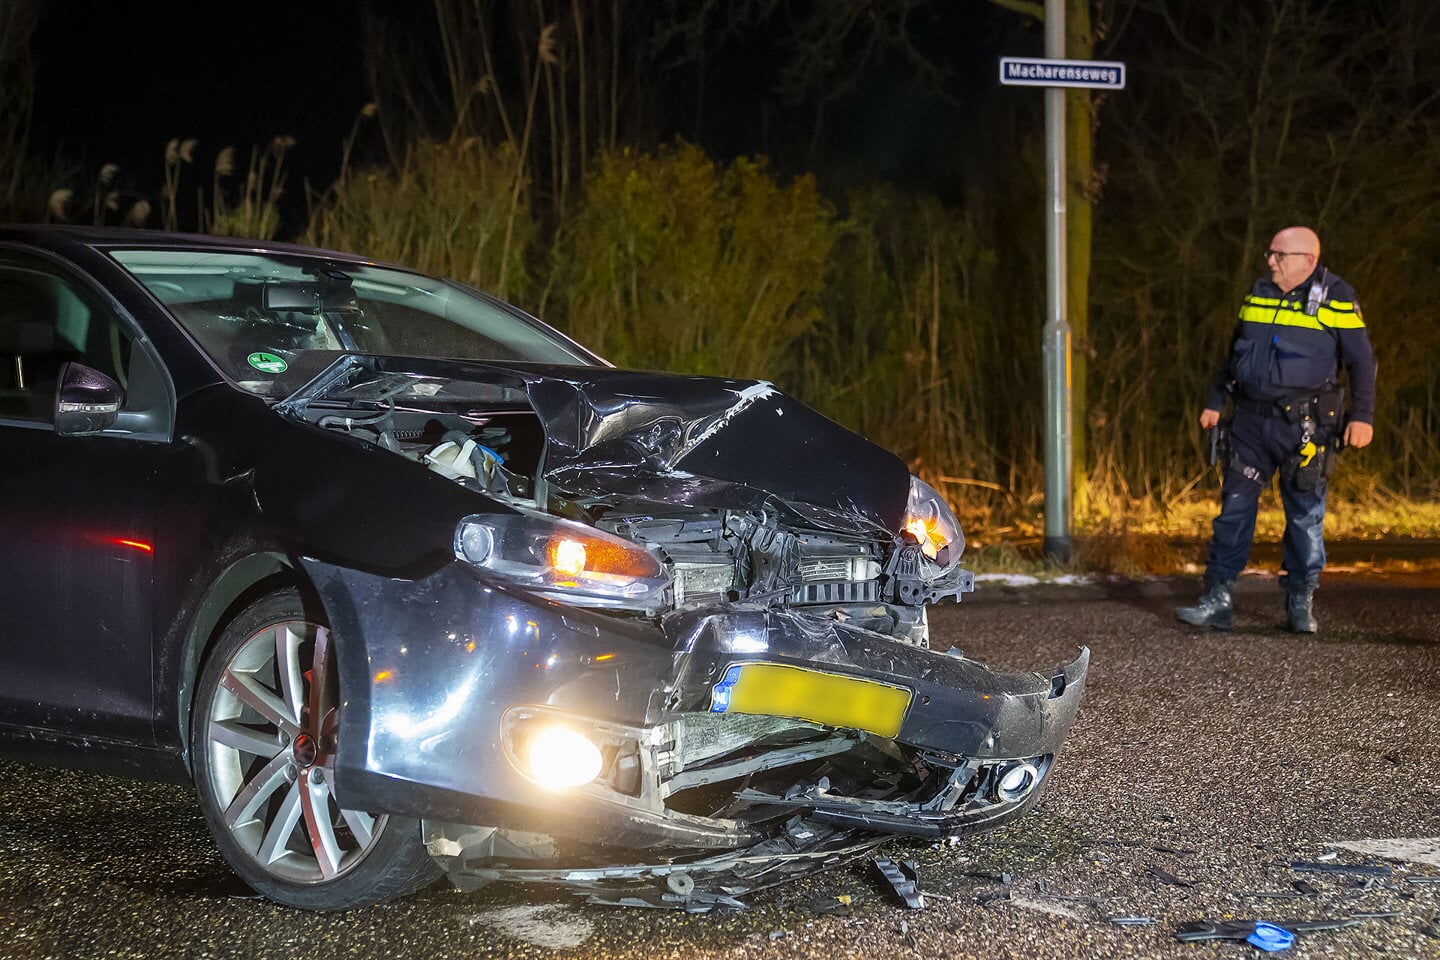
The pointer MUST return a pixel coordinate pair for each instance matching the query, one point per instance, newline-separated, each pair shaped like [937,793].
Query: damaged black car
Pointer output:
[410,584]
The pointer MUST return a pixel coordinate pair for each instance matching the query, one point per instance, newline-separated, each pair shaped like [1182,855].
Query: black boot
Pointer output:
[1300,611]
[1216,609]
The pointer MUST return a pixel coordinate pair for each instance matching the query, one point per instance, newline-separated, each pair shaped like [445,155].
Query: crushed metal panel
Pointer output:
[697,886]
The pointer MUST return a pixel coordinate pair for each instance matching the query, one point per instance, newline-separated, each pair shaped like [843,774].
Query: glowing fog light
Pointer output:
[1017,780]
[557,757]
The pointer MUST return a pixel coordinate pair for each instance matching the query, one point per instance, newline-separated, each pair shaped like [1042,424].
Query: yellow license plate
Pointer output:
[778,690]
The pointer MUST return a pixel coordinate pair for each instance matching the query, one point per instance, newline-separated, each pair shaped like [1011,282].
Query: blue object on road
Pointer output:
[1269,937]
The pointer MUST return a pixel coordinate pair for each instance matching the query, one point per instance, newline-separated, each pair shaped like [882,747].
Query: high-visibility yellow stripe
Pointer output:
[1332,314]
[1283,318]
[1340,319]
[1263,301]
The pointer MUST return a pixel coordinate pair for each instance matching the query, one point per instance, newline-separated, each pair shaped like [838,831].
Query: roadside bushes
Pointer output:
[912,346]
[675,262]
[458,208]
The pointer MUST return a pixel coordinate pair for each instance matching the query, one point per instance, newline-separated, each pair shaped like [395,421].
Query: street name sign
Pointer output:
[1039,72]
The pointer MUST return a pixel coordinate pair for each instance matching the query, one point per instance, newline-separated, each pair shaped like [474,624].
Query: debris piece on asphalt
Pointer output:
[1132,921]
[1327,857]
[902,879]
[1430,879]
[830,906]
[1174,851]
[777,934]
[1160,872]
[1378,915]
[1271,937]
[1197,930]
[696,902]
[1316,926]
[1306,888]
[1359,869]
[995,875]
[993,896]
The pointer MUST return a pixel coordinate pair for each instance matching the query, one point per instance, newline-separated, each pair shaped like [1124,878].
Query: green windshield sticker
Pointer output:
[266,362]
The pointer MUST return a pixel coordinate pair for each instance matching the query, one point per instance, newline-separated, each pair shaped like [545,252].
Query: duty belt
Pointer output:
[1265,408]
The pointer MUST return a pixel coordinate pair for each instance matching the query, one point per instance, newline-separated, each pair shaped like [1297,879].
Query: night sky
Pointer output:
[116,81]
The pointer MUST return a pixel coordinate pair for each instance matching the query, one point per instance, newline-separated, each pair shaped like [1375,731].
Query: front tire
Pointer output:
[263,734]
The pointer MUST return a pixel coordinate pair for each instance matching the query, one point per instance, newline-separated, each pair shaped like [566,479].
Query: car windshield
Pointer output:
[270,320]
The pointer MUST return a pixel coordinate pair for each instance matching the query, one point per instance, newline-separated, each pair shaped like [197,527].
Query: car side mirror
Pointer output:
[86,400]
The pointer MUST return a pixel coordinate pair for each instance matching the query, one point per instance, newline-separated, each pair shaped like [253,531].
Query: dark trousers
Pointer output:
[1259,445]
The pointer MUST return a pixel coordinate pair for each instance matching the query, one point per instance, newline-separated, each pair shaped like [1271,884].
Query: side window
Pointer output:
[45,321]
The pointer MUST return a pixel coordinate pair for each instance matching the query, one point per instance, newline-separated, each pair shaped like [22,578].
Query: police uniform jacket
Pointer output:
[1283,346]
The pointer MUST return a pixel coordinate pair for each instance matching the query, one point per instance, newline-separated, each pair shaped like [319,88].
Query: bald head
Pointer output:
[1292,257]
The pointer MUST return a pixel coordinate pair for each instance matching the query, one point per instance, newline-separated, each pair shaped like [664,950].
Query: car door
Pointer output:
[77,516]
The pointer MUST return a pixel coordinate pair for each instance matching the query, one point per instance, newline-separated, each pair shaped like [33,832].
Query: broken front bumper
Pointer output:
[440,673]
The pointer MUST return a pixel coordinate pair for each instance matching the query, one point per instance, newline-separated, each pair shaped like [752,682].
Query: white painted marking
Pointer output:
[543,925]
[1412,849]
[1047,906]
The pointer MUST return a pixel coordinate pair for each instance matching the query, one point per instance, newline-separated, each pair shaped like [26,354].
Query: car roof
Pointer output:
[65,238]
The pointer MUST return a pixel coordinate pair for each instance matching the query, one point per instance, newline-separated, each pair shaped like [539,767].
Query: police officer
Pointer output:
[1295,331]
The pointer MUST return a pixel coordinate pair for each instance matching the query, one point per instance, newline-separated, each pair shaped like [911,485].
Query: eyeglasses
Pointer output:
[1280,255]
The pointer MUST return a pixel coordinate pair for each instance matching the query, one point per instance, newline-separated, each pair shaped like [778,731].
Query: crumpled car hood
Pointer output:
[709,442]
[701,442]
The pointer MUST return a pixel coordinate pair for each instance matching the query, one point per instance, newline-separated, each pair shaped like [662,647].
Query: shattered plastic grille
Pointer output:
[864,591]
[697,581]
[830,569]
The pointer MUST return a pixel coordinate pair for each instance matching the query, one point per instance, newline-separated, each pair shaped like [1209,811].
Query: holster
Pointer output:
[1305,470]
[1220,444]
[1298,475]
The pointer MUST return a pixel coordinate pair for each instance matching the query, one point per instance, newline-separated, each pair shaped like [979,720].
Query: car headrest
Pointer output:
[25,338]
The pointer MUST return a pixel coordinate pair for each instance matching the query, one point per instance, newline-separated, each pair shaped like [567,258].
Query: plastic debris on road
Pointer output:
[1161,873]
[1270,937]
[902,879]
[1359,869]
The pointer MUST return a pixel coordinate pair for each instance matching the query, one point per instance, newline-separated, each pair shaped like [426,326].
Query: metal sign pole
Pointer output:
[1058,478]
[1056,74]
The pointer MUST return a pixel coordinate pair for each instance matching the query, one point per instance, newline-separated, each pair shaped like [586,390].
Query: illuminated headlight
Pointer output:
[557,757]
[564,560]
[929,519]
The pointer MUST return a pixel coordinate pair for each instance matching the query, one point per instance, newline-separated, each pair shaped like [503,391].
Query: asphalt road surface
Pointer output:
[1202,767]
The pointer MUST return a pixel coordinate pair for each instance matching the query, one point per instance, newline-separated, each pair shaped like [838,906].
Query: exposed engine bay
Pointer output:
[764,553]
